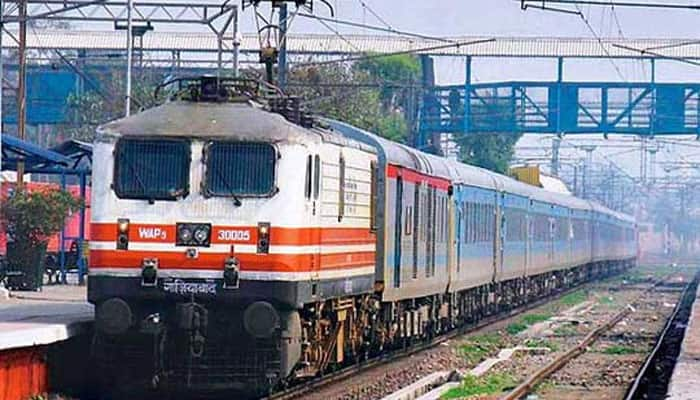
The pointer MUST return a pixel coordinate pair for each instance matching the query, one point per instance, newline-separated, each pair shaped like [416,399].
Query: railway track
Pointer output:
[654,375]
[309,386]
[558,363]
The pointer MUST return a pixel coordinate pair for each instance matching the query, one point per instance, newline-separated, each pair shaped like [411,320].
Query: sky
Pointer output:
[491,18]
[506,18]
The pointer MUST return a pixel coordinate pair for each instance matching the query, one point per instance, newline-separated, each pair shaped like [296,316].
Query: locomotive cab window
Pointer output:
[152,169]
[240,169]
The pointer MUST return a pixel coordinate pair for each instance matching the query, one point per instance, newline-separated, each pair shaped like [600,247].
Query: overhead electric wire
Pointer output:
[600,42]
[411,51]
[634,4]
[385,82]
[380,19]
[616,19]
[671,46]
[339,35]
[377,28]
[657,55]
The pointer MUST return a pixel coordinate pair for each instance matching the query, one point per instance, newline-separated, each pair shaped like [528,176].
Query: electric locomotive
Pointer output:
[238,244]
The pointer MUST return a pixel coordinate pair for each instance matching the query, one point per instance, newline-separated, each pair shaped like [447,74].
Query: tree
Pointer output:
[345,92]
[492,151]
[93,107]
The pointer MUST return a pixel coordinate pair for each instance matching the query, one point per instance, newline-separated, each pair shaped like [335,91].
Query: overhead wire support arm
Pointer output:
[543,3]
[375,28]
[654,54]
[116,10]
[411,51]
[545,8]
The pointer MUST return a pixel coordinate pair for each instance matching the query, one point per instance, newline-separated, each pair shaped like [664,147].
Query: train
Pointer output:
[238,244]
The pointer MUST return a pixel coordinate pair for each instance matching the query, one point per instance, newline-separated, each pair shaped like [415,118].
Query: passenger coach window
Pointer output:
[240,169]
[317,176]
[341,188]
[154,169]
[373,197]
[307,188]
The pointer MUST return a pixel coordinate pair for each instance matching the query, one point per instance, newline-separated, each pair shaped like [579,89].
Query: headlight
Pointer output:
[122,234]
[185,234]
[193,234]
[123,225]
[263,237]
[201,235]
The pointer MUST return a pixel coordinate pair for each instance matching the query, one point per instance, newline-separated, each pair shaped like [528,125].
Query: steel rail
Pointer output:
[306,386]
[632,391]
[559,362]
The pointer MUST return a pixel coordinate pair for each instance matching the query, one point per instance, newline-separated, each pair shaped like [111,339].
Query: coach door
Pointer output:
[552,231]
[398,231]
[313,194]
[502,234]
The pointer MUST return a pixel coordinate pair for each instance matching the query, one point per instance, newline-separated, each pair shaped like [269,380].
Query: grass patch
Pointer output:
[532,319]
[565,330]
[620,350]
[542,387]
[542,343]
[574,298]
[524,322]
[606,300]
[515,328]
[484,385]
[479,347]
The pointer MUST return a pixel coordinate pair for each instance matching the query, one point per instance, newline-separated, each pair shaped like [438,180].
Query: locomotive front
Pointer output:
[188,200]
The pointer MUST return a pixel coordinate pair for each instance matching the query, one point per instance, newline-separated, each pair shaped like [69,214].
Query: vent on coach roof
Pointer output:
[290,108]
[220,90]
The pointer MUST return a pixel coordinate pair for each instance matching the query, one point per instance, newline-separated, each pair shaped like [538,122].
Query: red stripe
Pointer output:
[107,232]
[249,262]
[409,175]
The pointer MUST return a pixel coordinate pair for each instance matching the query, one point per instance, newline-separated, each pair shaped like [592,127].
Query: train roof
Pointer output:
[251,121]
[239,120]
[399,154]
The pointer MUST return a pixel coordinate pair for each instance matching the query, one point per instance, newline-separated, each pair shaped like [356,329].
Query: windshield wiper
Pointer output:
[236,201]
[137,177]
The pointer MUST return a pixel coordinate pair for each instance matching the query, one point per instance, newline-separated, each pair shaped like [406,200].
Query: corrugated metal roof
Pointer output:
[331,44]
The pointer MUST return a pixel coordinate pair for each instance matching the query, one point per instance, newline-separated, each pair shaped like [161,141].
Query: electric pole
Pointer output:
[282,42]
[21,85]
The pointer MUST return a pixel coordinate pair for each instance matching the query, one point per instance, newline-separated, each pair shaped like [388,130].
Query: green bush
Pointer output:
[33,217]
[484,385]
[30,219]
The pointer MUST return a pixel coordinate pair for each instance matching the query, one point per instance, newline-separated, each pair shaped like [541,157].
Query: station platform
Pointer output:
[684,384]
[31,324]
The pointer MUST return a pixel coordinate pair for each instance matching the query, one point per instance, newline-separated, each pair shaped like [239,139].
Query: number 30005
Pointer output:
[234,235]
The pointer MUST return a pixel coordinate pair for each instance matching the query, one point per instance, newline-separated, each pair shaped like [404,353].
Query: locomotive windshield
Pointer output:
[240,169]
[152,169]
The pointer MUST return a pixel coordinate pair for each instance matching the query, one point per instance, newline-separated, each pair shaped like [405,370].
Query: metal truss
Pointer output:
[645,109]
[116,11]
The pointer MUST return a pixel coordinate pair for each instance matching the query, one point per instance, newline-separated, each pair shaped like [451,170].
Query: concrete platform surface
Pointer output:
[685,381]
[37,318]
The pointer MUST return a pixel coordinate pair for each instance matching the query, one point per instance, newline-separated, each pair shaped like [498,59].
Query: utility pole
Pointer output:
[21,85]
[587,170]
[652,163]
[282,42]
[129,55]
[237,39]
[556,143]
